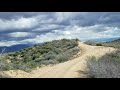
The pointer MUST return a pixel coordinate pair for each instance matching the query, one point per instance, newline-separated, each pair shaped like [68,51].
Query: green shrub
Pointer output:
[47,62]
[98,44]
[107,66]
[90,43]
[44,54]
[77,40]
[62,57]
[49,55]
[4,65]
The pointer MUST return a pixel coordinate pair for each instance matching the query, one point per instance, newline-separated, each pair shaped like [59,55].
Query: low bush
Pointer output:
[44,54]
[4,65]
[107,66]
[98,44]
[90,43]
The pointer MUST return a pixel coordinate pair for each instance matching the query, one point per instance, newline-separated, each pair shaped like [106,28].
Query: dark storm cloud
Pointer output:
[11,15]
[85,19]
[21,27]
[94,18]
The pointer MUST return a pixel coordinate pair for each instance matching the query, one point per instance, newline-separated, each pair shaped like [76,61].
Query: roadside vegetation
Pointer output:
[53,52]
[108,66]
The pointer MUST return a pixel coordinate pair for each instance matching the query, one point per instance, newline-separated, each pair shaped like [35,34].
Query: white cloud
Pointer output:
[8,43]
[63,16]
[82,25]
[73,31]
[45,38]
[47,27]
[20,23]
[83,33]
[20,34]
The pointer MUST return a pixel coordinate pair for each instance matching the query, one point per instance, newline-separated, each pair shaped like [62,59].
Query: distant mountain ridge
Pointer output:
[117,40]
[18,47]
[104,39]
[14,48]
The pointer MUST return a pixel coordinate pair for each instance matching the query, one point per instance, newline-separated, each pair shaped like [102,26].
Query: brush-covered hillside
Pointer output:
[107,66]
[115,44]
[47,53]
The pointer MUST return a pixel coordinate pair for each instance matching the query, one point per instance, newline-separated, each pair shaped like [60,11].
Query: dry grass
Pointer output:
[107,66]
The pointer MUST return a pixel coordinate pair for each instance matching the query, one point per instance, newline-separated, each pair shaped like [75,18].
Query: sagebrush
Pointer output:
[107,66]
[44,54]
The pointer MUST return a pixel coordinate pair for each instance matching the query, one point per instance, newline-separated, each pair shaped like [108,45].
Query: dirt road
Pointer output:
[69,69]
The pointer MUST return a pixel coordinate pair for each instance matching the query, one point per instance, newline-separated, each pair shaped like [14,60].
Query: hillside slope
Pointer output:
[53,52]
[68,69]
[114,43]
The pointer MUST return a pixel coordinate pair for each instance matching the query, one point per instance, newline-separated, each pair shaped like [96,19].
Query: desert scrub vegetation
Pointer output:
[115,43]
[4,63]
[108,66]
[53,52]
[90,43]
[94,43]
[98,44]
[112,44]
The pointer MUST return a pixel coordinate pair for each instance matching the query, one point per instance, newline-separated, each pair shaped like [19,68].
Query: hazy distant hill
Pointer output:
[114,43]
[14,48]
[117,40]
[103,39]
[111,42]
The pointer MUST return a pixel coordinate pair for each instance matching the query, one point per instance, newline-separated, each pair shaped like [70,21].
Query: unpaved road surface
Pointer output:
[68,69]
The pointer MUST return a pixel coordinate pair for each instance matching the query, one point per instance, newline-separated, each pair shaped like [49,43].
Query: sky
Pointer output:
[39,27]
